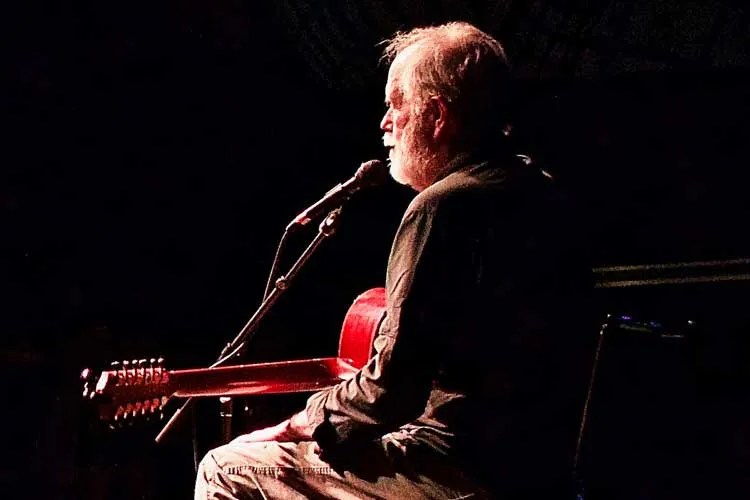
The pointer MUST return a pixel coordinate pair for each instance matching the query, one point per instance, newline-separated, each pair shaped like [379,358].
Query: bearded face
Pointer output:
[406,134]
[409,153]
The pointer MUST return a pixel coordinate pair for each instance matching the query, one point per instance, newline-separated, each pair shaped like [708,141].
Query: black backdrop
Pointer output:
[154,153]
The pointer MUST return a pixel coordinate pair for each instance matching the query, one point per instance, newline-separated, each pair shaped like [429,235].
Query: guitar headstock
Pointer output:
[130,390]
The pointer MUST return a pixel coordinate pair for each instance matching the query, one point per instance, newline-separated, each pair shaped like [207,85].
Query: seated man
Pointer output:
[479,373]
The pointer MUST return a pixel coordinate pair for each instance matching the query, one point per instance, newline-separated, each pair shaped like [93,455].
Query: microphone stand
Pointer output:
[239,344]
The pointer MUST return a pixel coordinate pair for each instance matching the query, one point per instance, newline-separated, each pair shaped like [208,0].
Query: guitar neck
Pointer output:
[260,378]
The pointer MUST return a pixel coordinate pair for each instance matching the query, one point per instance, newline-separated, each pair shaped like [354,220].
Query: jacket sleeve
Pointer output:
[393,387]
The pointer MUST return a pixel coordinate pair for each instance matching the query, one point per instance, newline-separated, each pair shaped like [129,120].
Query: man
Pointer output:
[478,377]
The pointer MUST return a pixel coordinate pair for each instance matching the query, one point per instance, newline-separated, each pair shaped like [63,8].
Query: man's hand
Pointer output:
[290,430]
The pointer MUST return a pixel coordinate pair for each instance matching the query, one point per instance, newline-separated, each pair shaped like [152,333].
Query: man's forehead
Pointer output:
[394,86]
[399,66]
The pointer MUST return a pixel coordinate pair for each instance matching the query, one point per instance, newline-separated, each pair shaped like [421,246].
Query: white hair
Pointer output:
[461,63]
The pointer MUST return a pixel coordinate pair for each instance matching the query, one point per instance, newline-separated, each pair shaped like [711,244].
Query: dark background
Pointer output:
[153,152]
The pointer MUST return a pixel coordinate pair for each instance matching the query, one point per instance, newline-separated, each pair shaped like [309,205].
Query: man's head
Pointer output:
[446,92]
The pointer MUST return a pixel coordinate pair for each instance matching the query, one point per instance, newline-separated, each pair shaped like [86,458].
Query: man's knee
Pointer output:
[205,480]
[219,462]
[227,471]
[251,470]
[207,466]
[231,457]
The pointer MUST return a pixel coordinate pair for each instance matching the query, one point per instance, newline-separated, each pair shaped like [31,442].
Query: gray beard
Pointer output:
[425,164]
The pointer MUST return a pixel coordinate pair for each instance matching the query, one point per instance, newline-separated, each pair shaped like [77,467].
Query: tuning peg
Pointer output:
[158,369]
[148,370]
[134,371]
[125,372]
[142,370]
[115,368]
[136,409]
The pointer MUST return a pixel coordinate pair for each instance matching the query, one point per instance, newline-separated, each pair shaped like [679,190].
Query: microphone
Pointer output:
[370,173]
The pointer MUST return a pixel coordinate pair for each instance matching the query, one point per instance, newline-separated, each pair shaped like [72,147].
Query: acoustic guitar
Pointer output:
[140,388]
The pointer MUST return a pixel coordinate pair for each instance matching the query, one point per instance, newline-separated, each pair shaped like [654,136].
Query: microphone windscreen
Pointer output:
[372,173]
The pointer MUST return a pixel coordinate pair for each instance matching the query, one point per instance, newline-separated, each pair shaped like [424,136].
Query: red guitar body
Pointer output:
[139,389]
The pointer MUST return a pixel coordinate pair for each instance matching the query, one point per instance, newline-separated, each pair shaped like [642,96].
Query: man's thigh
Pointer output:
[296,470]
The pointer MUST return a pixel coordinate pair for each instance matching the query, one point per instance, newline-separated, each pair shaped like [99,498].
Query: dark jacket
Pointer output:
[485,349]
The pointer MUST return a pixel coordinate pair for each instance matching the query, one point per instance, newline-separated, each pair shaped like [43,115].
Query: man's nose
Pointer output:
[385,123]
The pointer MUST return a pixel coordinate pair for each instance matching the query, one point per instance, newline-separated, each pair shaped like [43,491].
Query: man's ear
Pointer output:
[439,116]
